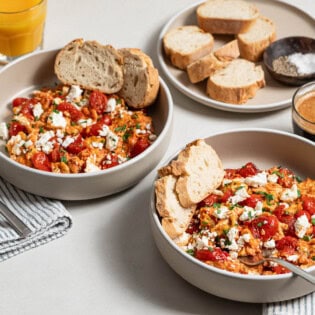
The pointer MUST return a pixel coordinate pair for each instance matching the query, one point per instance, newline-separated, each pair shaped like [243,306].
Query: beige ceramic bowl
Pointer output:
[36,70]
[265,148]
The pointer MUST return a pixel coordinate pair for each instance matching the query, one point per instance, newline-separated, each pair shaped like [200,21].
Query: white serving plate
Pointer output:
[289,21]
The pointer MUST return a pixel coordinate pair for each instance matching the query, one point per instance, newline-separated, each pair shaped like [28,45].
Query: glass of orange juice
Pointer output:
[21,27]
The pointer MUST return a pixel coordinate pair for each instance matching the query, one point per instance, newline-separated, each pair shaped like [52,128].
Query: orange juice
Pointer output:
[21,26]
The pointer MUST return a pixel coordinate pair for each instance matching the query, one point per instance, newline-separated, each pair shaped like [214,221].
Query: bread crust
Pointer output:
[235,94]
[177,56]
[142,86]
[253,50]
[90,65]
[202,68]
[224,25]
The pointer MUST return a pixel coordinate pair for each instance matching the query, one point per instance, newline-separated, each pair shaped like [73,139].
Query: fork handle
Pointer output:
[297,270]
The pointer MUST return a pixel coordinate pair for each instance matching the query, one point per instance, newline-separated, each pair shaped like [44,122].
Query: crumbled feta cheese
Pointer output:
[270,244]
[67,141]
[28,143]
[4,132]
[57,100]
[111,141]
[221,212]
[247,214]
[44,138]
[74,93]
[17,142]
[202,242]
[37,110]
[60,133]
[293,258]
[272,178]
[85,122]
[301,225]
[232,234]
[226,181]
[98,145]
[111,105]
[260,179]
[104,131]
[233,254]
[290,194]
[90,166]
[240,195]
[57,119]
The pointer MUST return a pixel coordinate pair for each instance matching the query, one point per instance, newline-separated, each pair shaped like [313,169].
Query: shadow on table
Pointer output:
[140,267]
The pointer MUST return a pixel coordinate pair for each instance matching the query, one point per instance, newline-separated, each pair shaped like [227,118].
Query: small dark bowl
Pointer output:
[285,47]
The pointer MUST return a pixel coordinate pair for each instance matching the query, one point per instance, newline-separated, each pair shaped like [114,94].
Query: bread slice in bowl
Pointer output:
[90,65]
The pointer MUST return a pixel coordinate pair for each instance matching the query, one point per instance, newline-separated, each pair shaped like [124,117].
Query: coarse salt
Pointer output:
[305,63]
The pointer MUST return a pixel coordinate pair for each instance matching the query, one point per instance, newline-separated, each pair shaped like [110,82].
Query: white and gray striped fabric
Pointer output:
[301,306]
[46,218]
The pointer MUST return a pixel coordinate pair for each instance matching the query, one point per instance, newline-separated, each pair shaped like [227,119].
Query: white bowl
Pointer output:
[37,70]
[265,148]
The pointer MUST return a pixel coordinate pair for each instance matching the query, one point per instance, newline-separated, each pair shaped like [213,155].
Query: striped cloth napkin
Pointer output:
[45,218]
[304,305]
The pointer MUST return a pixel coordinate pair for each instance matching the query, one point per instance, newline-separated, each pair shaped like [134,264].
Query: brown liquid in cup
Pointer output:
[303,116]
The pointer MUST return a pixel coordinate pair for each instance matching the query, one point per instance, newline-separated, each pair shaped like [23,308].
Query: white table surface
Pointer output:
[108,262]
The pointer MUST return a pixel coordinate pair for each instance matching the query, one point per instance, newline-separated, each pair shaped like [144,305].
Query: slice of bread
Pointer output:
[185,44]
[141,78]
[199,171]
[259,36]
[204,67]
[91,65]
[226,16]
[175,218]
[237,82]
[228,52]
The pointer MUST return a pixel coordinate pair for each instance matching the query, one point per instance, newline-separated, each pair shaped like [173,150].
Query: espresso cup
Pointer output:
[303,111]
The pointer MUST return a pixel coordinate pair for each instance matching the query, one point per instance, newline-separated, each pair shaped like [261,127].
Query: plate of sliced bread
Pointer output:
[212,51]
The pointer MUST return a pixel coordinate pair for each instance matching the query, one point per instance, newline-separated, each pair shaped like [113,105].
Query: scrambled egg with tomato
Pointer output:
[254,213]
[70,130]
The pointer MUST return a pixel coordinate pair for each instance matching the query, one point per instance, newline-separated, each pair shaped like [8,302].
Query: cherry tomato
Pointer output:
[18,101]
[308,204]
[230,173]
[27,109]
[227,194]
[15,128]
[286,178]
[193,225]
[77,146]
[287,245]
[94,129]
[251,201]
[139,147]
[109,163]
[41,161]
[75,114]
[209,200]
[288,219]
[98,101]
[264,227]
[249,169]
[212,255]
[54,155]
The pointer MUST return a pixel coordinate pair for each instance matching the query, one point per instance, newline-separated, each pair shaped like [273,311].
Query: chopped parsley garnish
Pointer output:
[120,128]
[64,159]
[190,252]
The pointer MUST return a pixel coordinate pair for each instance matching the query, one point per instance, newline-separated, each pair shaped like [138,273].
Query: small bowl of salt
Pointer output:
[291,60]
